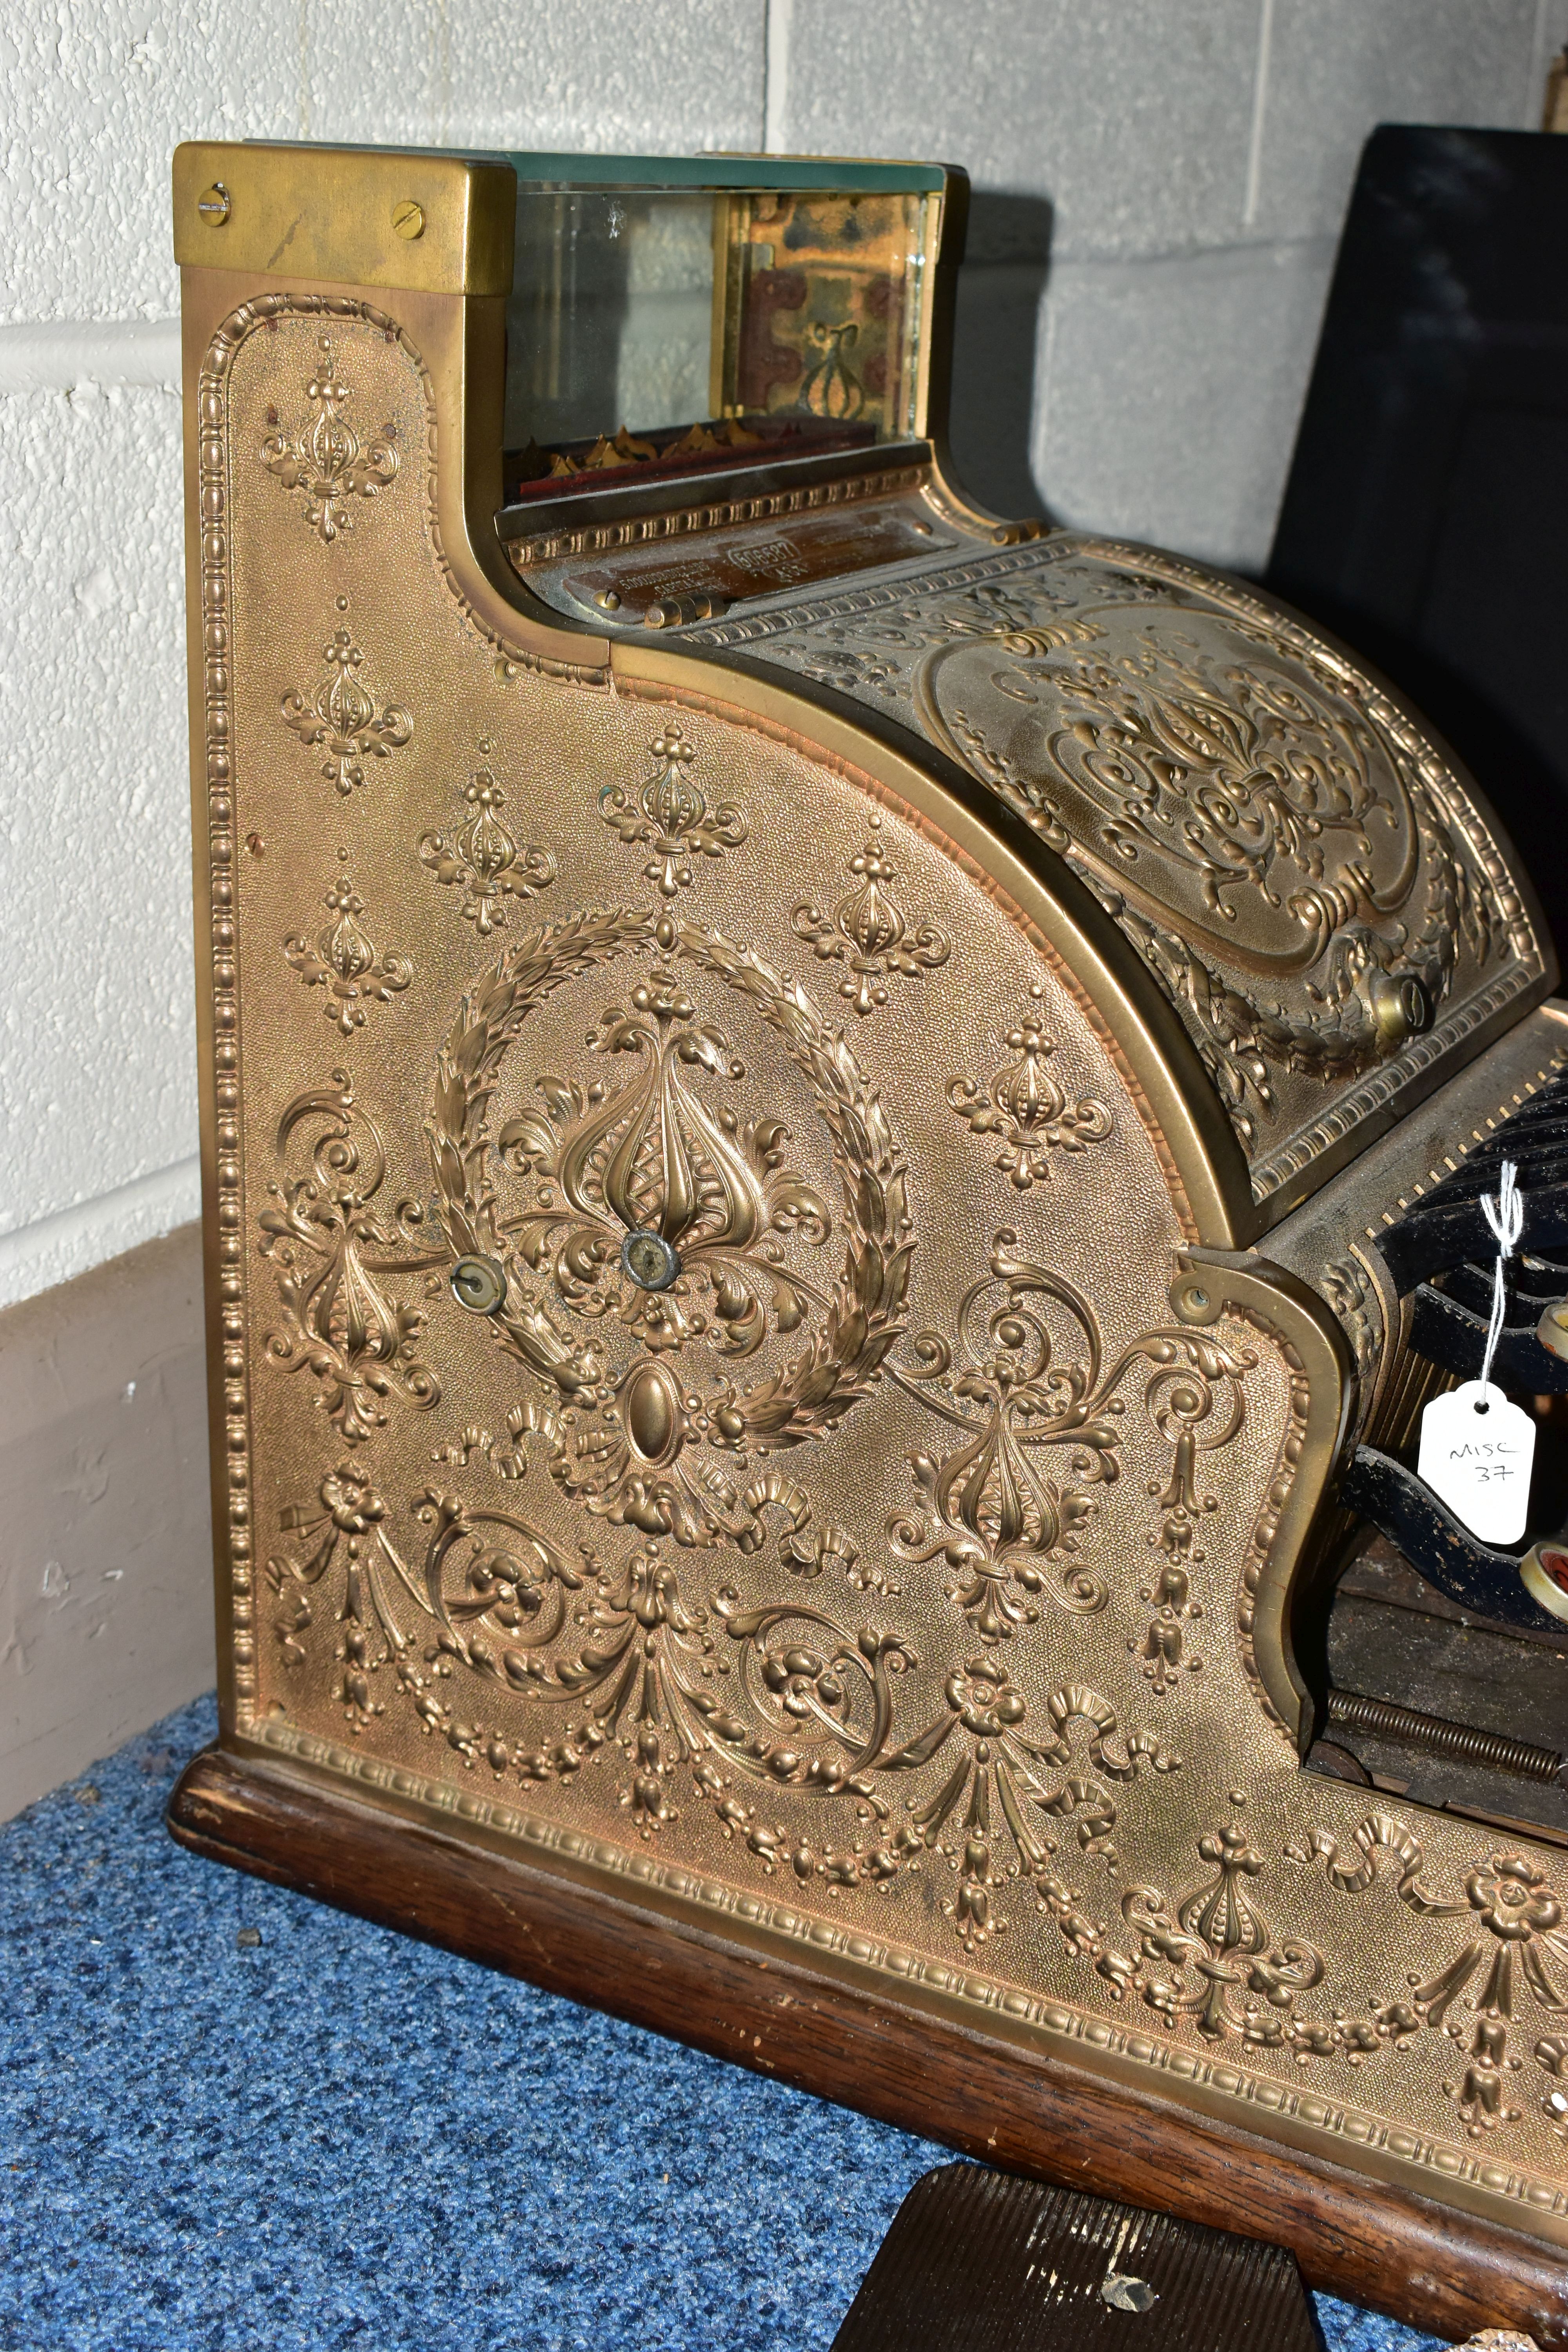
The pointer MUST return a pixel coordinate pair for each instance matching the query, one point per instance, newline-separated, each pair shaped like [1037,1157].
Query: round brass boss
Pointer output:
[1399,1006]
[478,1284]
[650,1261]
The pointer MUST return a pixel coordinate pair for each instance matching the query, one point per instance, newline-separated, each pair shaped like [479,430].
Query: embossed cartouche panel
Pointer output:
[1301,872]
[709,1389]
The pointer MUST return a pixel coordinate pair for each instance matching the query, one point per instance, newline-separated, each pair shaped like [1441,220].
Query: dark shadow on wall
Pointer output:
[1000,286]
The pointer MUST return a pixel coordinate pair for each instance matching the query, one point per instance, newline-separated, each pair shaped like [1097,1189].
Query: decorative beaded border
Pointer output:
[218,603]
[637,530]
[212,508]
[1150,2055]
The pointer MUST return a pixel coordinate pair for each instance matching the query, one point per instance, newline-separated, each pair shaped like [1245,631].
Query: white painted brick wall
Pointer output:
[1196,157]
[1161,182]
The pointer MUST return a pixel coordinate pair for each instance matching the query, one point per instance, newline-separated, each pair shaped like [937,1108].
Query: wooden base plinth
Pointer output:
[1020,2110]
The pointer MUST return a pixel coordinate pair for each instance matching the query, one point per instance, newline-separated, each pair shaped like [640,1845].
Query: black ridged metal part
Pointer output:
[978,2261]
[1447,1226]
[1450,1333]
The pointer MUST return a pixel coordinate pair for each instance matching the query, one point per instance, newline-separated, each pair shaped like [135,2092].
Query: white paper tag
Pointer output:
[1476,1452]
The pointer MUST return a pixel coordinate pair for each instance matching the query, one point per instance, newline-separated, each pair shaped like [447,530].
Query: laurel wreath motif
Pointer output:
[866,1309]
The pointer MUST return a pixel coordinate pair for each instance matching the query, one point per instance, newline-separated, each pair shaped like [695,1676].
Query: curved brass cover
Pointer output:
[1315,886]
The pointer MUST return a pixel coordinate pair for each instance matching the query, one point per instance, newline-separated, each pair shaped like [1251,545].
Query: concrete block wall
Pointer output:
[1159,187]
[96,1033]
[1173,178]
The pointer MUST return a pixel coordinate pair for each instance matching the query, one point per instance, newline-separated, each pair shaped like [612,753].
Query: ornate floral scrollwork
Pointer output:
[653,1159]
[1515,1955]
[642,1466]
[486,858]
[1163,1654]
[804,1548]
[847,670]
[869,933]
[326,459]
[1238,773]
[1026,619]
[830,386]
[1347,1286]
[1213,1956]
[996,1514]
[512,1591]
[794,1701]
[1022,1104]
[343,717]
[875,651]
[1194,1417]
[1250,782]
[345,1524]
[670,813]
[1006,1779]
[1040,809]
[744,1700]
[1274,843]
[352,969]
[328,1246]
[652,1209]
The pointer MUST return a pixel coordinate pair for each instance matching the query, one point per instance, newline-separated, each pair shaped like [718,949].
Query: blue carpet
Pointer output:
[334,2140]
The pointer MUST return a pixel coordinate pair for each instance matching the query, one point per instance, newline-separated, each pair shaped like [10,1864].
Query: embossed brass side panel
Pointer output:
[720,1375]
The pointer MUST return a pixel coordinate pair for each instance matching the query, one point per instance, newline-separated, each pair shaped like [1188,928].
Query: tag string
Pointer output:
[1505,1215]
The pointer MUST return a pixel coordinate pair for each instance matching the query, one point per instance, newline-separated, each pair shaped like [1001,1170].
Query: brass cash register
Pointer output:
[841,1140]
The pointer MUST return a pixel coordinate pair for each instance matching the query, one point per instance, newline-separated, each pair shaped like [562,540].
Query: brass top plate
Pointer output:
[342,216]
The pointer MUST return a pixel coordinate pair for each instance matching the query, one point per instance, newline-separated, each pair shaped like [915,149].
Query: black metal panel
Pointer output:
[1437,1546]
[1426,511]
